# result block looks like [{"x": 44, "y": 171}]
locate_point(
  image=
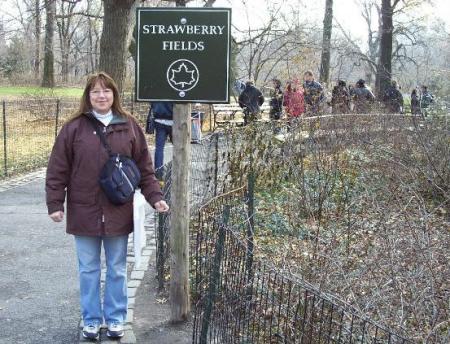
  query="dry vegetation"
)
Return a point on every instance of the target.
[{"x": 360, "y": 207}]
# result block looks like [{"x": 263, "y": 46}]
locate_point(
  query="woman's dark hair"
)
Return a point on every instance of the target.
[
  {"x": 361, "y": 82},
  {"x": 289, "y": 86},
  {"x": 107, "y": 82},
  {"x": 276, "y": 82}
]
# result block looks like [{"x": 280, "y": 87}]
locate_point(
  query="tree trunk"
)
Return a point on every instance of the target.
[
  {"x": 384, "y": 70},
  {"x": 37, "y": 37},
  {"x": 114, "y": 41},
  {"x": 326, "y": 42},
  {"x": 92, "y": 51},
  {"x": 48, "y": 78},
  {"x": 63, "y": 32},
  {"x": 65, "y": 63}
]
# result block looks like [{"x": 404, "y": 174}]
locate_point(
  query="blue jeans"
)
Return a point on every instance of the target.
[
  {"x": 115, "y": 298},
  {"x": 162, "y": 131}
]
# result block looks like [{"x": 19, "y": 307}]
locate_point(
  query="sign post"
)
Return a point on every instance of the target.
[{"x": 183, "y": 56}]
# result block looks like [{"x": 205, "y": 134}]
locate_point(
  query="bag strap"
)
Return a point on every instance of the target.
[{"x": 100, "y": 131}]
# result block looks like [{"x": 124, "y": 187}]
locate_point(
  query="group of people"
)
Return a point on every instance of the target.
[
  {"x": 297, "y": 98},
  {"x": 308, "y": 98},
  {"x": 420, "y": 100}
]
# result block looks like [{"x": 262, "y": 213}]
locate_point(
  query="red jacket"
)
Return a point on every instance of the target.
[
  {"x": 294, "y": 101},
  {"x": 74, "y": 167}
]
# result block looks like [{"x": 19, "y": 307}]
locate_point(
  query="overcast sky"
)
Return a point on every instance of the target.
[{"x": 346, "y": 12}]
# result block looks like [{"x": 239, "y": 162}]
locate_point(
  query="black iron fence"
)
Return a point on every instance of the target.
[
  {"x": 240, "y": 298},
  {"x": 28, "y": 128},
  {"x": 238, "y": 295},
  {"x": 207, "y": 179}
]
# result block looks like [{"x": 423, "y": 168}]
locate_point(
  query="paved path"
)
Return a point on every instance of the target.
[
  {"x": 38, "y": 271},
  {"x": 39, "y": 292}
]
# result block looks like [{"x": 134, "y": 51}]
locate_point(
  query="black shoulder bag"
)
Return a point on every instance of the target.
[{"x": 119, "y": 176}]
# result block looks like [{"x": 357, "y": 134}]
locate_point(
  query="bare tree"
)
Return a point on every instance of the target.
[
  {"x": 114, "y": 40},
  {"x": 384, "y": 70},
  {"x": 93, "y": 42},
  {"x": 48, "y": 79},
  {"x": 326, "y": 42},
  {"x": 262, "y": 50},
  {"x": 389, "y": 9},
  {"x": 37, "y": 37},
  {"x": 68, "y": 23}
]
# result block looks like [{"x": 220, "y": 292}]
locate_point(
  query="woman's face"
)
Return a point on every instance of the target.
[{"x": 101, "y": 98}]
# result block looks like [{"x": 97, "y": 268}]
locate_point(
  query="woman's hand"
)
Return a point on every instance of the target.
[
  {"x": 161, "y": 207},
  {"x": 57, "y": 216}
]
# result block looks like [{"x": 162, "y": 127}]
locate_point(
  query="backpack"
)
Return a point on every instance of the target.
[
  {"x": 120, "y": 176},
  {"x": 426, "y": 100}
]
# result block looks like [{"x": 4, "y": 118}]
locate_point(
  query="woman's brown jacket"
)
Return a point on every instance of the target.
[{"x": 74, "y": 168}]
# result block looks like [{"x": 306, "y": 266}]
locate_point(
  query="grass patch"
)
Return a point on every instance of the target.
[
  {"x": 11, "y": 92},
  {"x": 30, "y": 135}
]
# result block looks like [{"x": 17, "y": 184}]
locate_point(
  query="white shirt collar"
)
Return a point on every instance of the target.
[{"x": 99, "y": 115}]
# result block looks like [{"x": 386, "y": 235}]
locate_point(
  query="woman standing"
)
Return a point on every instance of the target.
[
  {"x": 73, "y": 169},
  {"x": 294, "y": 100}
]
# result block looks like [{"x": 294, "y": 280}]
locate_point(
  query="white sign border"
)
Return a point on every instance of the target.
[{"x": 189, "y": 9}]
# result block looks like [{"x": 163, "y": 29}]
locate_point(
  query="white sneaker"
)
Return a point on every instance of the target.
[
  {"x": 91, "y": 331},
  {"x": 115, "y": 330}
]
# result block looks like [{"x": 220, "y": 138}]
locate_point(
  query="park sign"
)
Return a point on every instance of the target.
[{"x": 183, "y": 54}]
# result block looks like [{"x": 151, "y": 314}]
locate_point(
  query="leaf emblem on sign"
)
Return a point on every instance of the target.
[{"x": 182, "y": 76}]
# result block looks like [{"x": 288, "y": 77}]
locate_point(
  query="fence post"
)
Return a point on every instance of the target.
[
  {"x": 215, "y": 275},
  {"x": 4, "y": 139},
  {"x": 161, "y": 250},
  {"x": 57, "y": 117},
  {"x": 250, "y": 227},
  {"x": 211, "y": 128},
  {"x": 132, "y": 102},
  {"x": 216, "y": 164},
  {"x": 251, "y": 179}
]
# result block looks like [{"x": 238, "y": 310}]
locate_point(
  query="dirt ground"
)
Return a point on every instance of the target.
[{"x": 151, "y": 315}]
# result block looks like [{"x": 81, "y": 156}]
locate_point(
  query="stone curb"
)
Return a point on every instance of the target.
[{"x": 17, "y": 181}]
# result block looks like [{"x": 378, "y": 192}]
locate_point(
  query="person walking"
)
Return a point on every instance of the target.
[
  {"x": 294, "y": 101},
  {"x": 426, "y": 99},
  {"x": 250, "y": 101},
  {"x": 162, "y": 114},
  {"x": 340, "y": 99},
  {"x": 74, "y": 166},
  {"x": 276, "y": 100},
  {"x": 393, "y": 98},
  {"x": 363, "y": 97},
  {"x": 415, "y": 103},
  {"x": 313, "y": 93}
]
